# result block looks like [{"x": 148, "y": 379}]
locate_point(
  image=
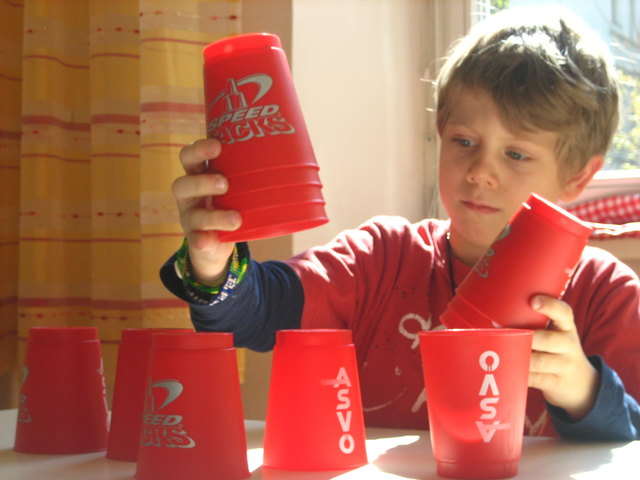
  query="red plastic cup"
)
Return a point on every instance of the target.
[
  {"x": 476, "y": 385},
  {"x": 314, "y": 413},
  {"x": 129, "y": 391},
  {"x": 253, "y": 109},
  {"x": 535, "y": 254},
  {"x": 63, "y": 406},
  {"x": 193, "y": 426}
]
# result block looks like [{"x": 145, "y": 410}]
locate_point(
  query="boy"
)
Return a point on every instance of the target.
[{"x": 523, "y": 106}]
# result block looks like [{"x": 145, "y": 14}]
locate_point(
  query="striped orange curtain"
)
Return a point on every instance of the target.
[
  {"x": 10, "y": 88},
  {"x": 97, "y": 99}
]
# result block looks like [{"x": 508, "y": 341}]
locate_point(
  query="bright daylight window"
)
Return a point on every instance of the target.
[{"x": 618, "y": 22}]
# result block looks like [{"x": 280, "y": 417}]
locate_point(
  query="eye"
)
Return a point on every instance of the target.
[
  {"x": 512, "y": 154},
  {"x": 463, "y": 142}
]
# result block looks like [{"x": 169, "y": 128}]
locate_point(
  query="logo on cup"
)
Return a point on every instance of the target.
[
  {"x": 162, "y": 430},
  {"x": 231, "y": 118},
  {"x": 23, "y": 411},
  {"x": 346, "y": 443},
  {"x": 489, "y": 362}
]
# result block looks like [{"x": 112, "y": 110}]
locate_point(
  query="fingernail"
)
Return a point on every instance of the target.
[
  {"x": 234, "y": 219},
  {"x": 536, "y": 303},
  {"x": 213, "y": 147},
  {"x": 221, "y": 185}
]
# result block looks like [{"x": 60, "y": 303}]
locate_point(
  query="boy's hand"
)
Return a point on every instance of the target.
[
  {"x": 559, "y": 367},
  {"x": 208, "y": 257}
]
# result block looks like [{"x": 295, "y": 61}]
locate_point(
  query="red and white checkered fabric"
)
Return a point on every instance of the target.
[
  {"x": 615, "y": 209},
  {"x": 617, "y": 216}
]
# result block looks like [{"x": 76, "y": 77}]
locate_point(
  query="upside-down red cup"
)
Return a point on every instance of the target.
[
  {"x": 63, "y": 407},
  {"x": 129, "y": 390},
  {"x": 267, "y": 156},
  {"x": 193, "y": 425},
  {"x": 476, "y": 385},
  {"x": 314, "y": 412},
  {"x": 536, "y": 253}
]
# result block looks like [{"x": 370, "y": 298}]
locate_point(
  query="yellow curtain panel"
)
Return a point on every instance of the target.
[{"x": 97, "y": 97}]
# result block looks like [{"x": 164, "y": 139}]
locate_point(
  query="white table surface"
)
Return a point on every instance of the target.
[{"x": 393, "y": 454}]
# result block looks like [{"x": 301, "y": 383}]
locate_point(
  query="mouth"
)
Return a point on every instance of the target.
[{"x": 479, "y": 207}]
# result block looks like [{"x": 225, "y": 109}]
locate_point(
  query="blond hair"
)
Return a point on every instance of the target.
[{"x": 546, "y": 71}]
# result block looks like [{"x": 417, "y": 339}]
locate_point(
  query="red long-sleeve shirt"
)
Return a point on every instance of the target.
[{"x": 390, "y": 278}]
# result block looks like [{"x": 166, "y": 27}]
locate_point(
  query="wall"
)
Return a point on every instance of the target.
[
  {"x": 626, "y": 249},
  {"x": 357, "y": 66}
]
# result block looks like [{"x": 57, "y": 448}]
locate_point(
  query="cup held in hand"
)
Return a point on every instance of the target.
[
  {"x": 253, "y": 109},
  {"x": 535, "y": 254}
]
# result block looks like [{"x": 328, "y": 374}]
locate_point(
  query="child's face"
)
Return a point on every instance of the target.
[{"x": 487, "y": 171}]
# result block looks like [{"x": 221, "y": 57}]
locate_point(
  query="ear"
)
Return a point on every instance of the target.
[{"x": 576, "y": 183}]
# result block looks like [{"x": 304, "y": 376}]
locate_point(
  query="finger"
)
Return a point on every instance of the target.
[
  {"x": 559, "y": 312},
  {"x": 194, "y": 156},
  {"x": 543, "y": 381},
  {"x": 192, "y": 187},
  {"x": 549, "y": 341},
  {"x": 205, "y": 241},
  {"x": 202, "y": 219},
  {"x": 548, "y": 363}
]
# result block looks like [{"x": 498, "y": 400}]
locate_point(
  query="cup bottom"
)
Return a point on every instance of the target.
[
  {"x": 272, "y": 222},
  {"x": 478, "y": 470},
  {"x": 311, "y": 468}
]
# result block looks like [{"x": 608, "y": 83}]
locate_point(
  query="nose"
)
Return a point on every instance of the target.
[{"x": 481, "y": 172}]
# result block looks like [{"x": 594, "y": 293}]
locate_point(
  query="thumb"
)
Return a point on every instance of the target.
[{"x": 558, "y": 312}]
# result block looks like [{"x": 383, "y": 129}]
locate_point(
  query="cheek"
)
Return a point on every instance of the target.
[
  {"x": 442, "y": 174},
  {"x": 444, "y": 163},
  {"x": 446, "y": 184},
  {"x": 449, "y": 171}
]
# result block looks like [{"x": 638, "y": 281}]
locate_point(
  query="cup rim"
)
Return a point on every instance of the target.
[
  {"x": 63, "y": 334},
  {"x": 192, "y": 341},
  {"x": 144, "y": 335},
  {"x": 557, "y": 216},
  {"x": 313, "y": 337},
  {"x": 240, "y": 43},
  {"x": 474, "y": 332}
]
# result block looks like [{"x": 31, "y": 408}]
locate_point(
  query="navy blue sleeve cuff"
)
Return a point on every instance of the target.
[
  {"x": 270, "y": 297},
  {"x": 614, "y": 417},
  {"x": 181, "y": 289}
]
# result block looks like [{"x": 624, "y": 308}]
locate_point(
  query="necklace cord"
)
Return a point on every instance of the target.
[{"x": 452, "y": 281}]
